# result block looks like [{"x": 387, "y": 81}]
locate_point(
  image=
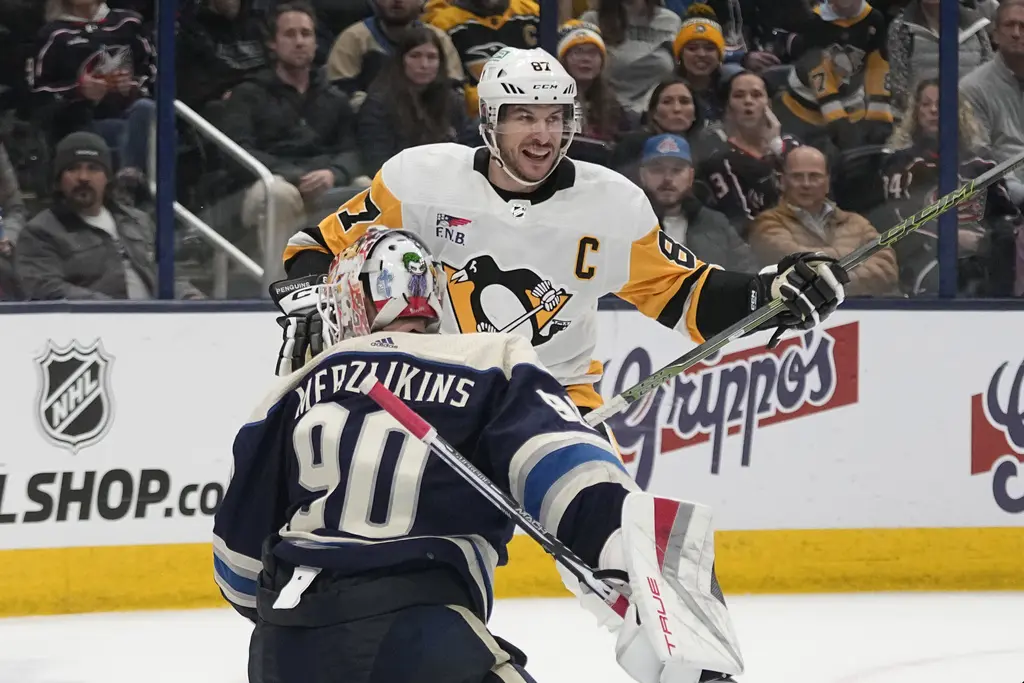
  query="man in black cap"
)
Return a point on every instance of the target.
[{"x": 87, "y": 246}]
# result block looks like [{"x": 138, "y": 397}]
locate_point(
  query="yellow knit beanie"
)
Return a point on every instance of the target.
[
  {"x": 575, "y": 32},
  {"x": 700, "y": 24}
]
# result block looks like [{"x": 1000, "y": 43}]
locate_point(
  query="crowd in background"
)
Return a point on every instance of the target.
[{"x": 757, "y": 127}]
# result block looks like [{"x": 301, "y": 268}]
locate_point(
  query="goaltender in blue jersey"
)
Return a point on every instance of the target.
[{"x": 359, "y": 556}]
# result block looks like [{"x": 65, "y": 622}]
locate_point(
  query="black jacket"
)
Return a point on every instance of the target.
[
  {"x": 215, "y": 53},
  {"x": 292, "y": 133},
  {"x": 380, "y": 136}
]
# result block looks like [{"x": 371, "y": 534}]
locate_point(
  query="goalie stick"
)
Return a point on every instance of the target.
[
  {"x": 616, "y": 596},
  {"x": 621, "y": 401}
]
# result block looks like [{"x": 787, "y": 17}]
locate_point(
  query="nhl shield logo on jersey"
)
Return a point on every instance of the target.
[
  {"x": 486, "y": 298},
  {"x": 75, "y": 403}
]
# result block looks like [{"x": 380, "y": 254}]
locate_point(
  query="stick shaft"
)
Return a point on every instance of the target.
[{"x": 422, "y": 430}]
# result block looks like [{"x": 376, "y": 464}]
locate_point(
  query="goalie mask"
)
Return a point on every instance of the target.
[
  {"x": 516, "y": 80},
  {"x": 383, "y": 276}
]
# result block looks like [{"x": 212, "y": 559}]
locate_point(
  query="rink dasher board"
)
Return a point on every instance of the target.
[{"x": 881, "y": 453}]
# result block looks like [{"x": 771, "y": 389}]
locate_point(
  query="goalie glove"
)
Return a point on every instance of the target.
[
  {"x": 302, "y": 336},
  {"x": 675, "y": 627},
  {"x": 810, "y": 284}
]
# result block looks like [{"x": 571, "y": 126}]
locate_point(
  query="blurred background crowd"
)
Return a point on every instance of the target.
[{"x": 757, "y": 127}]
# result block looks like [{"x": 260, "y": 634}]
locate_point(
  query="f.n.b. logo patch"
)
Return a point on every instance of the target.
[{"x": 75, "y": 405}]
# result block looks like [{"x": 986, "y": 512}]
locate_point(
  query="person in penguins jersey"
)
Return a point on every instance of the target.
[{"x": 584, "y": 231}]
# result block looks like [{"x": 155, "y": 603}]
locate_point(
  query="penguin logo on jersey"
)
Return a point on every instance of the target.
[{"x": 486, "y": 298}]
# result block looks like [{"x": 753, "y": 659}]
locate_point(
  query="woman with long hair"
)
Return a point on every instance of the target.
[
  {"x": 672, "y": 109},
  {"x": 911, "y": 177},
  {"x": 411, "y": 102},
  {"x": 638, "y": 35},
  {"x": 582, "y": 52},
  {"x": 738, "y": 161}
]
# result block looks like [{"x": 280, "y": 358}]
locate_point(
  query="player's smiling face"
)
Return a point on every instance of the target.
[{"x": 529, "y": 138}]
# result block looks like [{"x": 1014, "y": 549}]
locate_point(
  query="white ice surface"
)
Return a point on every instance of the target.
[{"x": 856, "y": 638}]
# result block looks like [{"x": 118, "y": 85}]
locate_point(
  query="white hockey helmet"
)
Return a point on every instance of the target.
[
  {"x": 517, "y": 76},
  {"x": 395, "y": 269}
]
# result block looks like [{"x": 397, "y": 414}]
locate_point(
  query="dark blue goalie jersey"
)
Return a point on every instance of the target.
[{"x": 348, "y": 489}]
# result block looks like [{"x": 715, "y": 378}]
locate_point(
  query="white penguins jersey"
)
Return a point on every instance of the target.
[{"x": 533, "y": 264}]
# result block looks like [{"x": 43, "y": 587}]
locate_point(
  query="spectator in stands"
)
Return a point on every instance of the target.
[
  {"x": 93, "y": 70},
  {"x": 480, "y": 28},
  {"x": 805, "y": 220},
  {"x": 837, "y": 95},
  {"x": 12, "y": 220},
  {"x": 334, "y": 16},
  {"x": 218, "y": 45},
  {"x": 750, "y": 26},
  {"x": 995, "y": 89},
  {"x": 12, "y": 206},
  {"x": 362, "y": 49},
  {"x": 914, "y": 47},
  {"x": 738, "y": 162},
  {"x": 666, "y": 174},
  {"x": 144, "y": 8},
  {"x": 582, "y": 52},
  {"x": 412, "y": 103},
  {"x": 699, "y": 49},
  {"x": 300, "y": 126},
  {"x": 638, "y": 35},
  {"x": 673, "y": 109},
  {"x": 88, "y": 246},
  {"x": 987, "y": 225},
  {"x": 20, "y": 20}
]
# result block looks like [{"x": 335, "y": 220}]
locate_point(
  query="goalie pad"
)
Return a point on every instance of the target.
[{"x": 678, "y": 623}]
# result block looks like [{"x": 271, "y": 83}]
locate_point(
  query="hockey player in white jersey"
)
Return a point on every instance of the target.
[
  {"x": 362, "y": 558},
  {"x": 530, "y": 240}
]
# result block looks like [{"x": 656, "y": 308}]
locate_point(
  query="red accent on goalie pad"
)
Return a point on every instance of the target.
[
  {"x": 665, "y": 512},
  {"x": 620, "y": 606}
]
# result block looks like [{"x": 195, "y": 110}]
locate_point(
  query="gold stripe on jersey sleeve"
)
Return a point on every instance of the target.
[
  {"x": 662, "y": 275},
  {"x": 797, "y": 108},
  {"x": 376, "y": 205}
]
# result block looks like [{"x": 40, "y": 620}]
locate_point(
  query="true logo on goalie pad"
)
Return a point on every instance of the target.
[{"x": 74, "y": 403}]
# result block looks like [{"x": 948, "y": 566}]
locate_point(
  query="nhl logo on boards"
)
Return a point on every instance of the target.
[{"x": 75, "y": 405}]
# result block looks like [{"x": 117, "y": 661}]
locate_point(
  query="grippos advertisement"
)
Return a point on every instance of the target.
[
  {"x": 866, "y": 422},
  {"x": 119, "y": 429}
]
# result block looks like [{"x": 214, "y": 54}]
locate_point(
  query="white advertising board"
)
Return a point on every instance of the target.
[
  {"x": 117, "y": 429},
  {"x": 883, "y": 419}
]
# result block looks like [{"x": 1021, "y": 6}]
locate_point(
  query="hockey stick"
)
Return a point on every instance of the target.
[
  {"x": 423, "y": 431},
  {"x": 526, "y": 316},
  {"x": 621, "y": 401}
]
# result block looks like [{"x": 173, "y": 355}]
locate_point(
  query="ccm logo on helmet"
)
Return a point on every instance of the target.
[{"x": 545, "y": 86}]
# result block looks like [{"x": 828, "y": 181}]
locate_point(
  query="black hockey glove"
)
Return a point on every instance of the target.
[
  {"x": 811, "y": 285},
  {"x": 303, "y": 335}
]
